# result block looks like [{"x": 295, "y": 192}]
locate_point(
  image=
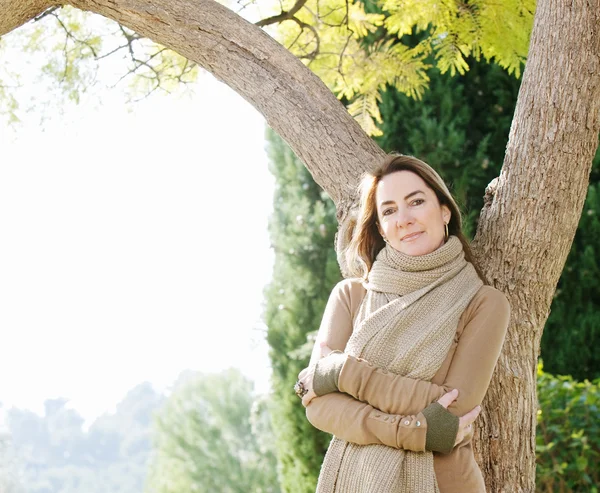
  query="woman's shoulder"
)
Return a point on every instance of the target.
[
  {"x": 488, "y": 303},
  {"x": 350, "y": 287},
  {"x": 350, "y": 292},
  {"x": 490, "y": 297}
]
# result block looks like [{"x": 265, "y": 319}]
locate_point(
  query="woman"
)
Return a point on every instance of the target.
[{"x": 415, "y": 338}]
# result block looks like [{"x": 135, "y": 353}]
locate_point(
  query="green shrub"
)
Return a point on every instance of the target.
[{"x": 568, "y": 434}]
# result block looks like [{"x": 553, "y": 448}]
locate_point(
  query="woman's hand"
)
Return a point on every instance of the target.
[
  {"x": 465, "y": 423},
  {"x": 306, "y": 376}
]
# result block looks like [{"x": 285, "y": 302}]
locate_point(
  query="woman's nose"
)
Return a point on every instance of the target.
[{"x": 403, "y": 219}]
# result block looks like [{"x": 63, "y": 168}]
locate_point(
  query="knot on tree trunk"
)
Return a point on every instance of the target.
[{"x": 490, "y": 192}]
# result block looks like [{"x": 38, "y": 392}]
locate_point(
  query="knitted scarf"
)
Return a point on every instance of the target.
[{"x": 405, "y": 324}]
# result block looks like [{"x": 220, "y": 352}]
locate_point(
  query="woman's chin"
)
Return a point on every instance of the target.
[{"x": 414, "y": 249}]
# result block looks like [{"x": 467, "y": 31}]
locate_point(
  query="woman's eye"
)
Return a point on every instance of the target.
[
  {"x": 387, "y": 212},
  {"x": 417, "y": 202}
]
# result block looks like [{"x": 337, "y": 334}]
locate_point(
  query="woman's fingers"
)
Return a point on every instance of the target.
[
  {"x": 448, "y": 398},
  {"x": 465, "y": 424},
  {"x": 306, "y": 378},
  {"x": 308, "y": 397},
  {"x": 468, "y": 418}
]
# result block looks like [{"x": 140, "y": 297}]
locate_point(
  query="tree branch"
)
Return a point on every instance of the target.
[
  {"x": 68, "y": 33},
  {"x": 303, "y": 25},
  {"x": 46, "y": 13},
  {"x": 294, "y": 101},
  {"x": 283, "y": 16}
]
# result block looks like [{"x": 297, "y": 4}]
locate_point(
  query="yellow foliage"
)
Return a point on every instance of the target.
[
  {"x": 366, "y": 111},
  {"x": 356, "y": 48},
  {"x": 329, "y": 36}
]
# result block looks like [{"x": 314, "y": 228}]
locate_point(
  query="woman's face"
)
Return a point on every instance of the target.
[{"x": 409, "y": 214}]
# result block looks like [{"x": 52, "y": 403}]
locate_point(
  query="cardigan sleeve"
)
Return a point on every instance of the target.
[
  {"x": 336, "y": 324},
  {"x": 360, "y": 423},
  {"x": 387, "y": 391},
  {"x": 478, "y": 349},
  {"x": 470, "y": 371}
]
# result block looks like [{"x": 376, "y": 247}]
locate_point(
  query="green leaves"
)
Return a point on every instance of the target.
[{"x": 568, "y": 433}]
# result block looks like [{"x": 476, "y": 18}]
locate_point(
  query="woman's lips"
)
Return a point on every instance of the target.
[{"x": 412, "y": 236}]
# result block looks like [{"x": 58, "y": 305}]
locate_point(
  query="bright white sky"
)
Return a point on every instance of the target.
[{"x": 133, "y": 245}]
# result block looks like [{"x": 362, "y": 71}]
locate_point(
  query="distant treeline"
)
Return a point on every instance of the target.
[{"x": 212, "y": 434}]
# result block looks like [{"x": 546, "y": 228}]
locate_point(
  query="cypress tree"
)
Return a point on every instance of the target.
[{"x": 302, "y": 230}]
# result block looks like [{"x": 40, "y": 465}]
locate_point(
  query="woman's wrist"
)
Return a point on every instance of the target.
[
  {"x": 442, "y": 428},
  {"x": 327, "y": 373}
]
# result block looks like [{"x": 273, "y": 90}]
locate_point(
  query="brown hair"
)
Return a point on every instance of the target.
[{"x": 366, "y": 240}]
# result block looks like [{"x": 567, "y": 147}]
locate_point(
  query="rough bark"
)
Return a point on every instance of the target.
[
  {"x": 530, "y": 217},
  {"x": 531, "y": 212},
  {"x": 15, "y": 14}
]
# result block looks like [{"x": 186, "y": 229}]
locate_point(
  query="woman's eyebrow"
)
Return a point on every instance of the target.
[
  {"x": 413, "y": 193},
  {"x": 392, "y": 202}
]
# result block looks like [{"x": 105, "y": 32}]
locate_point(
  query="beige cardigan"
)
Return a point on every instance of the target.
[{"x": 377, "y": 407}]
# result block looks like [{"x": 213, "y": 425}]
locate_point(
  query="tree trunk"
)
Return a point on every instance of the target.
[
  {"x": 531, "y": 212},
  {"x": 529, "y": 221}
]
